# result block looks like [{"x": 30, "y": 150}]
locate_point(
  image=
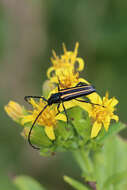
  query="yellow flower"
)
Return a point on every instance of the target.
[
  {"x": 48, "y": 119},
  {"x": 67, "y": 60},
  {"x": 67, "y": 78},
  {"x": 101, "y": 114},
  {"x": 14, "y": 110}
]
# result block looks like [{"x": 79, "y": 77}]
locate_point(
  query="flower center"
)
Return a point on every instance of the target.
[
  {"x": 47, "y": 118},
  {"x": 68, "y": 79},
  {"x": 100, "y": 114}
]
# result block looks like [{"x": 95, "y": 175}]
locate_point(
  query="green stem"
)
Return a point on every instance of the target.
[
  {"x": 86, "y": 159},
  {"x": 85, "y": 163}
]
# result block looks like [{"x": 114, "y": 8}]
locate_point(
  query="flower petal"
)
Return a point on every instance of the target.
[
  {"x": 115, "y": 117},
  {"x": 86, "y": 106},
  {"x": 33, "y": 103},
  {"x": 83, "y": 80},
  {"x": 50, "y": 70},
  {"x": 76, "y": 48},
  {"x": 50, "y": 132},
  {"x": 107, "y": 123},
  {"x": 54, "y": 79},
  {"x": 95, "y": 98},
  {"x": 80, "y": 63},
  {"x": 95, "y": 129},
  {"x": 68, "y": 105},
  {"x": 114, "y": 102},
  {"x": 27, "y": 119},
  {"x": 14, "y": 110},
  {"x": 61, "y": 117}
]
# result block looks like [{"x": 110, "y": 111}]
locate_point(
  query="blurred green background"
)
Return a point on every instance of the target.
[{"x": 29, "y": 30}]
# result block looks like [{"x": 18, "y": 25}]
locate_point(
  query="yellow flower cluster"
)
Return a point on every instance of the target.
[
  {"x": 102, "y": 113},
  {"x": 65, "y": 69},
  {"x": 48, "y": 119},
  {"x": 14, "y": 110}
]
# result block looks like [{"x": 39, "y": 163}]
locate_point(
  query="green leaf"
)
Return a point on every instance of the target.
[
  {"x": 63, "y": 131},
  {"x": 111, "y": 163},
  {"x": 76, "y": 184},
  {"x": 27, "y": 183},
  {"x": 81, "y": 123},
  {"x": 39, "y": 137},
  {"x": 115, "y": 179},
  {"x": 75, "y": 113}
]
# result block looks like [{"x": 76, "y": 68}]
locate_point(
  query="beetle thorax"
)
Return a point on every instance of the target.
[{"x": 54, "y": 98}]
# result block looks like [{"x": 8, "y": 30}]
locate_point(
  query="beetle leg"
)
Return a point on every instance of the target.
[
  {"x": 65, "y": 113},
  {"x": 82, "y": 84},
  {"x": 58, "y": 109}
]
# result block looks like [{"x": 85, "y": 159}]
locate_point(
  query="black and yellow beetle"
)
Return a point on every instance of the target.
[{"x": 80, "y": 90}]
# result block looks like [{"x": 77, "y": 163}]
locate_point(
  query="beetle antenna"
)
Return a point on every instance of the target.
[
  {"x": 26, "y": 98},
  {"x": 29, "y": 135}
]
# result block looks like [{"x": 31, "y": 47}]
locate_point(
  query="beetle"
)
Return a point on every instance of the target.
[{"x": 63, "y": 95}]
